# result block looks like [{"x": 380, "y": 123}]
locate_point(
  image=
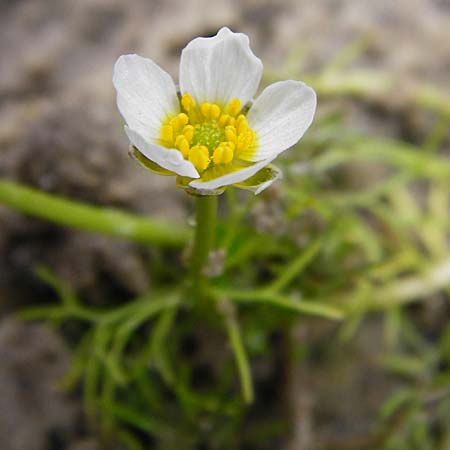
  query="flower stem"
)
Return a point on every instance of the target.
[
  {"x": 205, "y": 233},
  {"x": 82, "y": 216},
  {"x": 237, "y": 346}
]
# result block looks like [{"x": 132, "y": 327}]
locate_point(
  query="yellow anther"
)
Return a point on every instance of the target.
[
  {"x": 167, "y": 134},
  {"x": 245, "y": 140},
  {"x": 179, "y": 121},
  {"x": 231, "y": 121},
  {"x": 205, "y": 108},
  {"x": 232, "y": 145},
  {"x": 242, "y": 128},
  {"x": 175, "y": 123},
  {"x": 241, "y": 119},
  {"x": 214, "y": 111},
  {"x": 223, "y": 120},
  {"x": 223, "y": 154},
  {"x": 234, "y": 107},
  {"x": 230, "y": 133},
  {"x": 182, "y": 144},
  {"x": 183, "y": 118},
  {"x": 199, "y": 156},
  {"x": 241, "y": 142},
  {"x": 188, "y": 132},
  {"x": 187, "y": 102}
]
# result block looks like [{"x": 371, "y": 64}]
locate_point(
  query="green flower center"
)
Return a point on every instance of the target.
[{"x": 208, "y": 134}]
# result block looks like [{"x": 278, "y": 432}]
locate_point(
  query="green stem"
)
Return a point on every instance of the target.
[
  {"x": 240, "y": 355},
  {"x": 282, "y": 301},
  {"x": 205, "y": 233},
  {"x": 295, "y": 267},
  {"x": 85, "y": 217}
]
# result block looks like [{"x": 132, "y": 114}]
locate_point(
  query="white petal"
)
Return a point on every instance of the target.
[
  {"x": 146, "y": 94},
  {"x": 220, "y": 68},
  {"x": 231, "y": 178},
  {"x": 168, "y": 158},
  {"x": 280, "y": 116}
]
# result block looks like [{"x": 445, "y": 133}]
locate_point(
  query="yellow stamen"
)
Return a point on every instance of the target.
[
  {"x": 199, "y": 156},
  {"x": 223, "y": 154},
  {"x": 214, "y": 111},
  {"x": 179, "y": 121},
  {"x": 183, "y": 118},
  {"x": 223, "y": 120},
  {"x": 245, "y": 140},
  {"x": 234, "y": 107},
  {"x": 230, "y": 133},
  {"x": 182, "y": 144},
  {"x": 205, "y": 108},
  {"x": 241, "y": 121},
  {"x": 188, "y": 132},
  {"x": 232, "y": 145},
  {"x": 175, "y": 123},
  {"x": 167, "y": 134},
  {"x": 187, "y": 102},
  {"x": 242, "y": 128},
  {"x": 241, "y": 142}
]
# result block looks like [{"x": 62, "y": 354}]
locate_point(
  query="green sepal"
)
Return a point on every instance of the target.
[
  {"x": 147, "y": 163},
  {"x": 261, "y": 180}
]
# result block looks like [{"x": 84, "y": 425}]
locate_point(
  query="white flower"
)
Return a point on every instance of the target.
[{"x": 207, "y": 134}]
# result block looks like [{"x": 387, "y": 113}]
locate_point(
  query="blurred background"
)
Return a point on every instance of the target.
[{"x": 381, "y": 70}]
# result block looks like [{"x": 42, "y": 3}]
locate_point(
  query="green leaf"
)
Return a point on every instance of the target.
[{"x": 397, "y": 401}]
